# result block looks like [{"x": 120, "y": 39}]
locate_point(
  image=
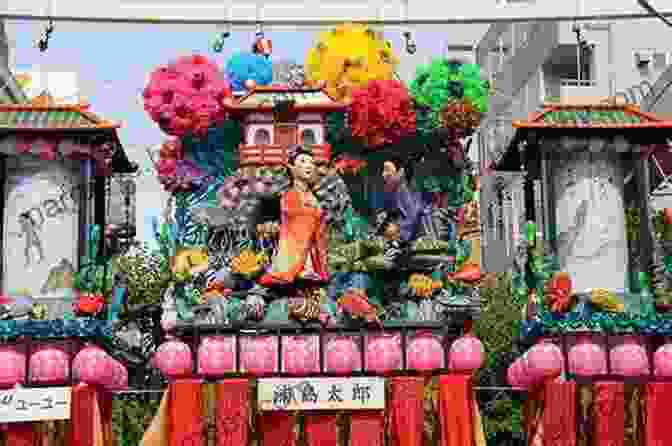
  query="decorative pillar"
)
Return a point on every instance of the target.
[
  {"x": 559, "y": 418},
  {"x": 455, "y": 410},
  {"x": 407, "y": 411},
  {"x": 186, "y": 418},
  {"x": 85, "y": 416},
  {"x": 232, "y": 412}
]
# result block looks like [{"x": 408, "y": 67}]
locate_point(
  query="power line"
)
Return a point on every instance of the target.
[{"x": 653, "y": 11}]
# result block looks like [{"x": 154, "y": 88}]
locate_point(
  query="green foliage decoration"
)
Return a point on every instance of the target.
[{"x": 148, "y": 273}]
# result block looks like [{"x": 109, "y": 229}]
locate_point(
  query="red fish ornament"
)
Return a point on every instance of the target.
[
  {"x": 358, "y": 306},
  {"x": 90, "y": 304},
  {"x": 468, "y": 273},
  {"x": 559, "y": 292}
]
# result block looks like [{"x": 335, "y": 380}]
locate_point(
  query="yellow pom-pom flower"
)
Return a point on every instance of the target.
[{"x": 347, "y": 57}]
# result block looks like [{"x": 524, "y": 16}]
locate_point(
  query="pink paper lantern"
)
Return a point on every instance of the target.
[
  {"x": 628, "y": 356},
  {"x": 342, "y": 355},
  {"x": 92, "y": 366},
  {"x": 217, "y": 356},
  {"x": 383, "y": 353},
  {"x": 466, "y": 354},
  {"x": 301, "y": 355},
  {"x": 517, "y": 375},
  {"x": 119, "y": 377},
  {"x": 425, "y": 352},
  {"x": 12, "y": 365},
  {"x": 544, "y": 361},
  {"x": 173, "y": 358},
  {"x": 49, "y": 363},
  {"x": 259, "y": 355},
  {"x": 587, "y": 357},
  {"x": 662, "y": 361}
]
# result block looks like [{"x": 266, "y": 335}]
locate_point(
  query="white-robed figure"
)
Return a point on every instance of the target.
[{"x": 30, "y": 233}]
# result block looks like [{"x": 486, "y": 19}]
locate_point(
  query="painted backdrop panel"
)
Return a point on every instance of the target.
[{"x": 41, "y": 226}]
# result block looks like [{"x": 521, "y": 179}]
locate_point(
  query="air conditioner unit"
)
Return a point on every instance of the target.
[{"x": 643, "y": 58}]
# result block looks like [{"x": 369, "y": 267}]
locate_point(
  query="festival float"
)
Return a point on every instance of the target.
[
  {"x": 59, "y": 298},
  {"x": 324, "y": 246},
  {"x": 590, "y": 267}
]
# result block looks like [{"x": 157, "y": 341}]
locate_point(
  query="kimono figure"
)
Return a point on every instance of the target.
[
  {"x": 29, "y": 231},
  {"x": 415, "y": 210},
  {"x": 303, "y": 238}
]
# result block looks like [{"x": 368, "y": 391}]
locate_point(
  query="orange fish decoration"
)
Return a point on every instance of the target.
[
  {"x": 90, "y": 304},
  {"x": 468, "y": 273},
  {"x": 559, "y": 292},
  {"x": 358, "y": 306}
]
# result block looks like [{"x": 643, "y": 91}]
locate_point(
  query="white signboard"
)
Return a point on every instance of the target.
[
  {"x": 43, "y": 404},
  {"x": 41, "y": 227},
  {"x": 321, "y": 393}
]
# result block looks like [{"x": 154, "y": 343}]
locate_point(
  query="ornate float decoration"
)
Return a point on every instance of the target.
[
  {"x": 319, "y": 250},
  {"x": 587, "y": 263}
]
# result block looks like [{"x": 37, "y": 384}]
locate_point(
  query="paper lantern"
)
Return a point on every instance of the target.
[
  {"x": 425, "y": 352},
  {"x": 259, "y": 355},
  {"x": 50, "y": 364},
  {"x": 92, "y": 366},
  {"x": 517, "y": 375},
  {"x": 119, "y": 377},
  {"x": 217, "y": 356},
  {"x": 662, "y": 361},
  {"x": 173, "y": 358},
  {"x": 383, "y": 353},
  {"x": 628, "y": 356},
  {"x": 466, "y": 354},
  {"x": 586, "y": 357},
  {"x": 543, "y": 361},
  {"x": 301, "y": 355},
  {"x": 342, "y": 355},
  {"x": 12, "y": 365}
]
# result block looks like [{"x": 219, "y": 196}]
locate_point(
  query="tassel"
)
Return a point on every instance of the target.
[
  {"x": 186, "y": 418},
  {"x": 367, "y": 428},
  {"x": 83, "y": 407},
  {"x": 408, "y": 394},
  {"x": 559, "y": 419},
  {"x": 233, "y": 412},
  {"x": 609, "y": 412},
  {"x": 277, "y": 428},
  {"x": 455, "y": 410},
  {"x": 321, "y": 430}
]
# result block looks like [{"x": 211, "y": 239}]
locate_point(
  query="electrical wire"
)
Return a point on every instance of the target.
[{"x": 650, "y": 9}]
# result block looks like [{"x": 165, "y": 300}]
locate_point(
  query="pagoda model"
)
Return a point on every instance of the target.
[
  {"x": 277, "y": 117},
  {"x": 583, "y": 264}
]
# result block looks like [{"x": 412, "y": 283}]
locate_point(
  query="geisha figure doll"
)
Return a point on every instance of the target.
[{"x": 303, "y": 239}]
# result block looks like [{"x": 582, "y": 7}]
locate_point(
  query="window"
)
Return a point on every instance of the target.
[
  {"x": 566, "y": 64},
  {"x": 262, "y": 137},
  {"x": 659, "y": 61},
  {"x": 308, "y": 137}
]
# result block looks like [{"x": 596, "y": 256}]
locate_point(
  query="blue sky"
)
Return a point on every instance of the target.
[{"x": 112, "y": 62}]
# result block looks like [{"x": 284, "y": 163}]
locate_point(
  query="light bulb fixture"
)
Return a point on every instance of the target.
[
  {"x": 411, "y": 47},
  {"x": 43, "y": 43}
]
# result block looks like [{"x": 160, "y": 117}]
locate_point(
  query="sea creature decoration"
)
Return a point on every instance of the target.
[
  {"x": 606, "y": 300},
  {"x": 559, "y": 292},
  {"x": 469, "y": 273},
  {"x": 357, "y": 305}
]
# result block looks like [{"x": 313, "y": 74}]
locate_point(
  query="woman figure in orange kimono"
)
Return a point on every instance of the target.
[{"x": 303, "y": 238}]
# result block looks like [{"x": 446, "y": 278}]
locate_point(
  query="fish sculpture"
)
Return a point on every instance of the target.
[
  {"x": 469, "y": 273},
  {"x": 559, "y": 292},
  {"x": 357, "y": 304}
]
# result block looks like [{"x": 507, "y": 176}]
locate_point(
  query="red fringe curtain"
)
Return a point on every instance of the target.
[
  {"x": 277, "y": 428},
  {"x": 559, "y": 420},
  {"x": 406, "y": 411},
  {"x": 609, "y": 413},
  {"x": 455, "y": 410},
  {"x": 84, "y": 405},
  {"x": 367, "y": 428},
  {"x": 186, "y": 419},
  {"x": 20, "y": 434},
  {"x": 321, "y": 430},
  {"x": 658, "y": 397},
  {"x": 233, "y": 412}
]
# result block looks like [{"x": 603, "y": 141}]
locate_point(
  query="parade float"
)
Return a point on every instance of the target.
[
  {"x": 59, "y": 298},
  {"x": 591, "y": 268},
  {"x": 324, "y": 247}
]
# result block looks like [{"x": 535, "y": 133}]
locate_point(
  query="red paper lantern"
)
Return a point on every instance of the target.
[
  {"x": 544, "y": 361},
  {"x": 628, "y": 356},
  {"x": 92, "y": 366},
  {"x": 50, "y": 363},
  {"x": 466, "y": 354},
  {"x": 586, "y": 357},
  {"x": 173, "y": 358},
  {"x": 383, "y": 353},
  {"x": 259, "y": 355},
  {"x": 217, "y": 356},
  {"x": 662, "y": 361},
  {"x": 425, "y": 352},
  {"x": 301, "y": 355},
  {"x": 342, "y": 355},
  {"x": 12, "y": 365}
]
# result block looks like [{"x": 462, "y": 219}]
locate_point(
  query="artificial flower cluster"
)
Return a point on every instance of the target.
[
  {"x": 382, "y": 112},
  {"x": 187, "y": 96},
  {"x": 175, "y": 173}
]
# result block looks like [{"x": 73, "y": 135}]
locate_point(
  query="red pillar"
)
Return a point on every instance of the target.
[
  {"x": 233, "y": 412},
  {"x": 83, "y": 415},
  {"x": 185, "y": 409},
  {"x": 407, "y": 411},
  {"x": 20, "y": 434},
  {"x": 456, "y": 410}
]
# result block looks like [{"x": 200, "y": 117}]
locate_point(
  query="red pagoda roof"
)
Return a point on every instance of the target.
[
  {"x": 305, "y": 99},
  {"x": 612, "y": 116}
]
